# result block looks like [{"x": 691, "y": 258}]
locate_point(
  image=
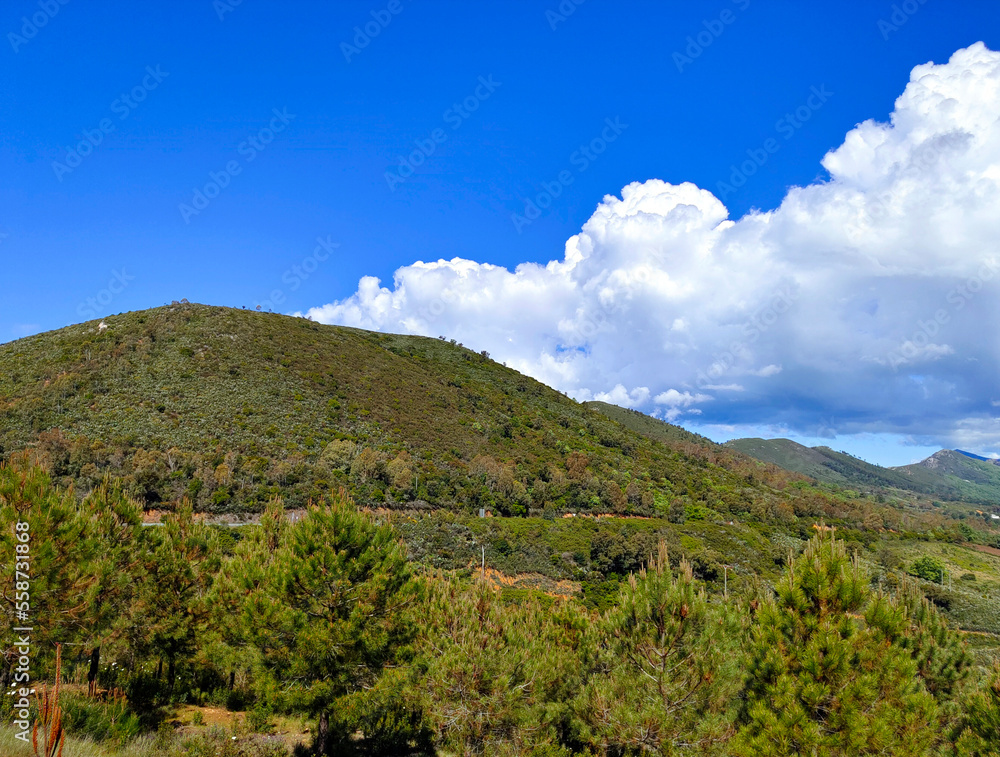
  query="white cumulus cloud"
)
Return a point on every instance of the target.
[{"x": 869, "y": 297}]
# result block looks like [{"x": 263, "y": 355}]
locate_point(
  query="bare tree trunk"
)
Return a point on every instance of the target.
[
  {"x": 95, "y": 665},
  {"x": 322, "y": 734}
]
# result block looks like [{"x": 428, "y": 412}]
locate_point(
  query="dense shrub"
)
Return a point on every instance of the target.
[{"x": 928, "y": 568}]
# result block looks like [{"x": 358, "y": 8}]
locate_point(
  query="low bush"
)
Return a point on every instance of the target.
[{"x": 110, "y": 720}]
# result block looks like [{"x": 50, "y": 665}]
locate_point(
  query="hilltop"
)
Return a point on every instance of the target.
[
  {"x": 957, "y": 475},
  {"x": 231, "y": 407},
  {"x": 974, "y": 456}
]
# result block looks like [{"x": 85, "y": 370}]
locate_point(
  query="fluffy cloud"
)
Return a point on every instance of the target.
[
  {"x": 623, "y": 397},
  {"x": 676, "y": 402},
  {"x": 869, "y": 298}
]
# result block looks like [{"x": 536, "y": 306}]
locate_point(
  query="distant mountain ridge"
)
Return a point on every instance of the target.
[
  {"x": 974, "y": 456},
  {"x": 958, "y": 475},
  {"x": 947, "y": 474}
]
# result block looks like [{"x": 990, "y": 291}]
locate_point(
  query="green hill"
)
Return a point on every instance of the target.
[
  {"x": 823, "y": 464},
  {"x": 230, "y": 407},
  {"x": 947, "y": 474},
  {"x": 791, "y": 456},
  {"x": 956, "y": 476},
  {"x": 861, "y": 473}
]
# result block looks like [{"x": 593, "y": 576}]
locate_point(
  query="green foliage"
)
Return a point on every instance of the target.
[
  {"x": 82, "y": 558},
  {"x": 387, "y": 715},
  {"x": 44, "y": 524},
  {"x": 320, "y": 603},
  {"x": 101, "y": 721},
  {"x": 979, "y": 731},
  {"x": 943, "y": 662},
  {"x": 823, "y": 682},
  {"x": 260, "y": 719},
  {"x": 600, "y": 595},
  {"x": 613, "y": 550},
  {"x": 324, "y": 616},
  {"x": 668, "y": 669},
  {"x": 928, "y": 568},
  {"x": 677, "y": 512},
  {"x": 496, "y": 678},
  {"x": 174, "y": 574}
]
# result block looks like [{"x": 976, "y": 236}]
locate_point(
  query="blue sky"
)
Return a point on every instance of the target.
[{"x": 302, "y": 120}]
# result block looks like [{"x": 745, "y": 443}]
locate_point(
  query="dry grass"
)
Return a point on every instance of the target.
[
  {"x": 288, "y": 733},
  {"x": 12, "y": 747}
]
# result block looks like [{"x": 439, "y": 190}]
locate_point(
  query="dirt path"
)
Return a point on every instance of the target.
[{"x": 987, "y": 550}]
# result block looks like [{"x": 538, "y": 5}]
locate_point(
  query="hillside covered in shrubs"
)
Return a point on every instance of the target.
[{"x": 229, "y": 408}]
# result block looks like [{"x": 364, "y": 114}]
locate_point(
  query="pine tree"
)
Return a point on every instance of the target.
[
  {"x": 499, "y": 678},
  {"x": 325, "y": 615},
  {"x": 825, "y": 676},
  {"x": 57, "y": 582},
  {"x": 246, "y": 574},
  {"x": 943, "y": 661},
  {"x": 83, "y": 559},
  {"x": 669, "y": 667},
  {"x": 979, "y": 731},
  {"x": 240, "y": 617},
  {"x": 115, "y": 523},
  {"x": 173, "y": 577},
  {"x": 479, "y": 678}
]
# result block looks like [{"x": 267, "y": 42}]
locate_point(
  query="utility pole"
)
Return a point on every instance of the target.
[
  {"x": 725, "y": 581},
  {"x": 484, "y": 562}
]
